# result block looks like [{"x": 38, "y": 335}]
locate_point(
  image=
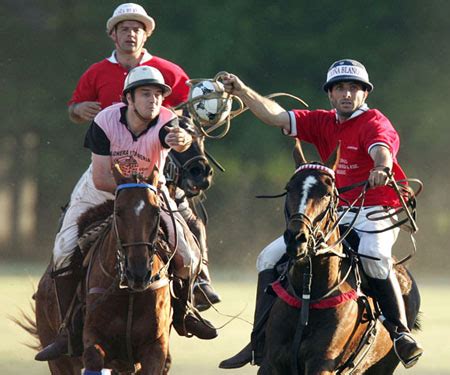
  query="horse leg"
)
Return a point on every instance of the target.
[
  {"x": 47, "y": 323},
  {"x": 94, "y": 358},
  {"x": 204, "y": 293},
  {"x": 65, "y": 366},
  {"x": 154, "y": 357}
]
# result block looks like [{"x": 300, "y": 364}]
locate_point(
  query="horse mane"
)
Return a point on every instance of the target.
[{"x": 95, "y": 214}]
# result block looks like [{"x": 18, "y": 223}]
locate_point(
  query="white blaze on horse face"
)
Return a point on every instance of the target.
[
  {"x": 309, "y": 182},
  {"x": 139, "y": 207}
]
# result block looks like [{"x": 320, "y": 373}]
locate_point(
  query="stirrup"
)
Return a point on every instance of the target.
[{"x": 407, "y": 363}]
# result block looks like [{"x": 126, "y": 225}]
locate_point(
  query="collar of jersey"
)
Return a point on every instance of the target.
[
  {"x": 123, "y": 120},
  {"x": 364, "y": 108},
  {"x": 146, "y": 57}
]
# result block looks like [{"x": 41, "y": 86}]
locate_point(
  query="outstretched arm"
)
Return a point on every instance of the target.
[{"x": 265, "y": 109}]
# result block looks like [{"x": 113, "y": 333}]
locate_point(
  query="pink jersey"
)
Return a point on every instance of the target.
[
  {"x": 137, "y": 155},
  {"x": 357, "y": 135},
  {"x": 103, "y": 81}
]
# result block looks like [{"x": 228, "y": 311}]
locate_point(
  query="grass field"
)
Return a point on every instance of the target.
[{"x": 192, "y": 356}]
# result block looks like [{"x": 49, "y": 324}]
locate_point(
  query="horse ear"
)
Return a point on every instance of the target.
[
  {"x": 153, "y": 178},
  {"x": 333, "y": 160},
  {"x": 118, "y": 175},
  {"x": 297, "y": 153}
]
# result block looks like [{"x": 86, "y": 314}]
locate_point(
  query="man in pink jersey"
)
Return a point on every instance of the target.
[
  {"x": 137, "y": 135},
  {"x": 369, "y": 145},
  {"x": 101, "y": 84}
]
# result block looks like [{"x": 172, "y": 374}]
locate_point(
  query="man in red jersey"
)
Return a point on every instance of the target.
[
  {"x": 101, "y": 85},
  {"x": 369, "y": 145}
]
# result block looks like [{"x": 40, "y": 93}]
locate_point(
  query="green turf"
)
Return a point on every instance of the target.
[{"x": 193, "y": 356}]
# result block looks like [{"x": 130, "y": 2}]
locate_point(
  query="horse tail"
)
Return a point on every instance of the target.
[
  {"x": 418, "y": 322},
  {"x": 28, "y": 323}
]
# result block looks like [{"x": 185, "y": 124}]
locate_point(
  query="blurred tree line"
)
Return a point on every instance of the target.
[{"x": 273, "y": 46}]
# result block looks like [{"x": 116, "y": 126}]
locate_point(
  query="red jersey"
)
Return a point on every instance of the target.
[
  {"x": 367, "y": 128},
  {"x": 103, "y": 81}
]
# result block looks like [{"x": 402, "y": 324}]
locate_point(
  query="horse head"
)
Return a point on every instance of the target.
[
  {"x": 136, "y": 223},
  {"x": 310, "y": 203},
  {"x": 190, "y": 170}
]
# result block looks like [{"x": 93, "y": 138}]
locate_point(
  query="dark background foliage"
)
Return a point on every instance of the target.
[{"x": 273, "y": 46}]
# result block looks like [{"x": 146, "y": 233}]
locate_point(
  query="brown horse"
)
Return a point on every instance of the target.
[
  {"x": 125, "y": 291},
  {"x": 331, "y": 328}
]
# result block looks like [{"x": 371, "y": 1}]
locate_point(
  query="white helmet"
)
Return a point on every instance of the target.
[
  {"x": 145, "y": 76},
  {"x": 130, "y": 12},
  {"x": 347, "y": 70}
]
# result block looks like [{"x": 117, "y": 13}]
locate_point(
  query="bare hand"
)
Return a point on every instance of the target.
[
  {"x": 378, "y": 177},
  {"x": 178, "y": 138},
  {"x": 87, "y": 110},
  {"x": 233, "y": 85}
]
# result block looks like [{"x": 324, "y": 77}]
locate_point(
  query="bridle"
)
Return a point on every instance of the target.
[
  {"x": 175, "y": 171},
  {"x": 121, "y": 246},
  {"x": 319, "y": 232}
]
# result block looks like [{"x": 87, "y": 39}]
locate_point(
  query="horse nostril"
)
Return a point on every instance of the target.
[
  {"x": 301, "y": 237},
  {"x": 195, "y": 172}
]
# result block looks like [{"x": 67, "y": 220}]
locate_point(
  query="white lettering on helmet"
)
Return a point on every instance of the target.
[{"x": 344, "y": 70}]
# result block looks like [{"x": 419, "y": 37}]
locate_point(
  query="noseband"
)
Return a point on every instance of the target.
[{"x": 175, "y": 171}]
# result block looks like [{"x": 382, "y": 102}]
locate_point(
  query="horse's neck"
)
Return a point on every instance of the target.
[
  {"x": 103, "y": 269},
  {"x": 326, "y": 274}
]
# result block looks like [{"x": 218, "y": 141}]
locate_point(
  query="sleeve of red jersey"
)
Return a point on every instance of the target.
[
  {"x": 180, "y": 90},
  {"x": 85, "y": 89},
  {"x": 379, "y": 130},
  {"x": 305, "y": 125}
]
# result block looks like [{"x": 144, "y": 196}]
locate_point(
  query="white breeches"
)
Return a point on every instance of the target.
[
  {"x": 377, "y": 245},
  {"x": 86, "y": 196}
]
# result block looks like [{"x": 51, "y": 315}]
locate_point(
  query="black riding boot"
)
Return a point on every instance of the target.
[
  {"x": 263, "y": 305},
  {"x": 204, "y": 293},
  {"x": 186, "y": 320},
  {"x": 389, "y": 297},
  {"x": 65, "y": 287}
]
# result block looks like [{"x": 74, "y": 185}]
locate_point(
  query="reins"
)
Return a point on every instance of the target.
[{"x": 398, "y": 186}]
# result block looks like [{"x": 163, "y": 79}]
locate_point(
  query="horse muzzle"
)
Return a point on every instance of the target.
[
  {"x": 137, "y": 283},
  {"x": 296, "y": 243},
  {"x": 197, "y": 178}
]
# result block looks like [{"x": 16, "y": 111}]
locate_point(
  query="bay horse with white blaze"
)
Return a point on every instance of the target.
[
  {"x": 322, "y": 323},
  {"x": 125, "y": 291}
]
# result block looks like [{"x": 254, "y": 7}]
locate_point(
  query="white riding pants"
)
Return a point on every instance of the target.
[
  {"x": 86, "y": 196},
  {"x": 377, "y": 245}
]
